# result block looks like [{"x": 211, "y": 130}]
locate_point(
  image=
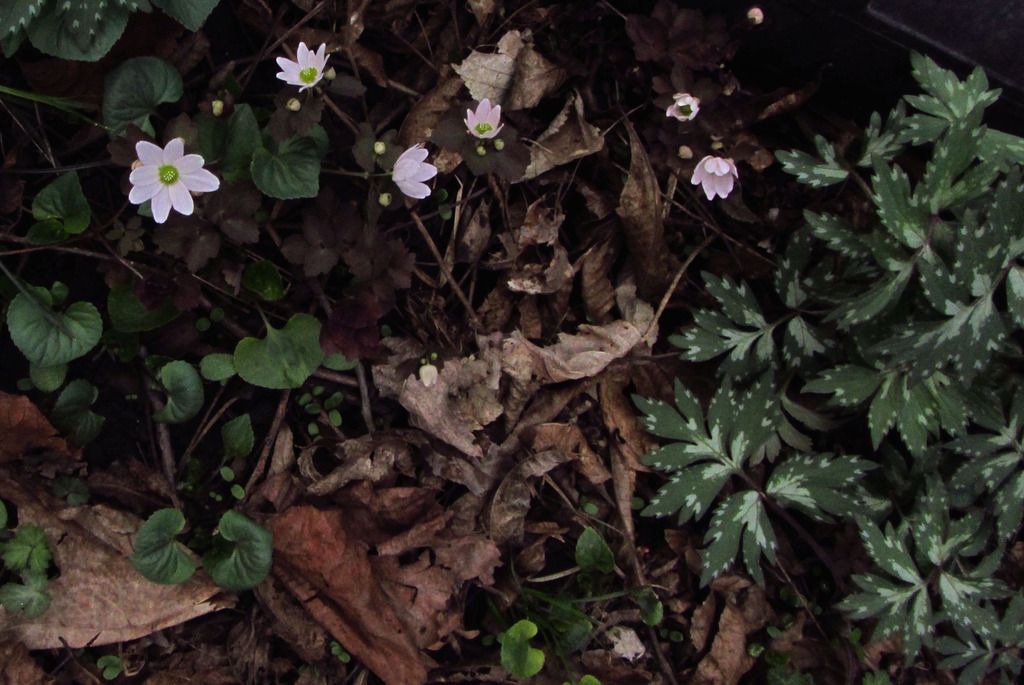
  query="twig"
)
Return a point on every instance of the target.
[
  {"x": 456, "y": 288},
  {"x": 335, "y": 377},
  {"x": 675, "y": 283},
  {"x": 364, "y": 397},
  {"x": 268, "y": 443},
  {"x": 163, "y": 441}
]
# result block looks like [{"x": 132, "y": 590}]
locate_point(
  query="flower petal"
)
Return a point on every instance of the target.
[
  {"x": 414, "y": 190},
  {"x": 145, "y": 175},
  {"x": 181, "y": 199},
  {"x": 200, "y": 181},
  {"x": 190, "y": 163},
  {"x": 148, "y": 153},
  {"x": 174, "y": 150},
  {"x": 161, "y": 205},
  {"x": 321, "y": 56},
  {"x": 141, "y": 193}
]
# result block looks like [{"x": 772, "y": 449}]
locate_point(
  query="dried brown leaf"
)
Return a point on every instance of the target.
[
  {"x": 421, "y": 120},
  {"x": 516, "y": 77},
  {"x": 507, "y": 513},
  {"x": 569, "y": 439},
  {"x": 24, "y": 429},
  {"x": 17, "y": 667},
  {"x": 578, "y": 356},
  {"x": 746, "y": 612},
  {"x": 568, "y": 137}
]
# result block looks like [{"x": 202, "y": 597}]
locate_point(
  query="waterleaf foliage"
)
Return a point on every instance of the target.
[
  {"x": 189, "y": 13},
  {"x": 184, "y": 389},
  {"x": 72, "y": 414},
  {"x": 817, "y": 172},
  {"x": 285, "y": 358},
  {"x": 47, "y": 337},
  {"x": 135, "y": 88},
  {"x": 998, "y": 650},
  {"x": 158, "y": 556},
  {"x": 241, "y": 555},
  {"x": 517, "y": 656}
]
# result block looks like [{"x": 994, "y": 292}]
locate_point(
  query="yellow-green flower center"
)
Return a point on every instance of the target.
[
  {"x": 483, "y": 127},
  {"x": 168, "y": 174},
  {"x": 308, "y": 75},
  {"x": 685, "y": 110}
]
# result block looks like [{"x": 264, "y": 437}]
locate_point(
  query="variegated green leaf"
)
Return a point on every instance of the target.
[{"x": 817, "y": 172}]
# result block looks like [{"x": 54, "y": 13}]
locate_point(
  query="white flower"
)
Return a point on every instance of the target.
[
  {"x": 168, "y": 177},
  {"x": 307, "y": 71},
  {"x": 485, "y": 122},
  {"x": 684, "y": 107},
  {"x": 411, "y": 170},
  {"x": 716, "y": 175}
]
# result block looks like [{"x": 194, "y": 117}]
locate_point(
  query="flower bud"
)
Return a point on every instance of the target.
[
  {"x": 330, "y": 74},
  {"x": 428, "y": 375},
  {"x": 481, "y": 150},
  {"x": 755, "y": 15},
  {"x": 685, "y": 152},
  {"x": 294, "y": 105},
  {"x": 717, "y": 145},
  {"x": 384, "y": 199},
  {"x": 380, "y": 147},
  {"x": 217, "y": 107},
  {"x": 499, "y": 144}
]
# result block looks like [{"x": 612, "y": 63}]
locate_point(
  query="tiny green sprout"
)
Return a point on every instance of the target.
[
  {"x": 313, "y": 408},
  {"x": 318, "y": 390},
  {"x": 340, "y": 652},
  {"x": 294, "y": 105},
  {"x": 384, "y": 199},
  {"x": 334, "y": 416},
  {"x": 216, "y": 497},
  {"x": 305, "y": 398},
  {"x": 380, "y": 147},
  {"x": 59, "y": 291},
  {"x": 217, "y": 108},
  {"x": 238, "y": 492},
  {"x": 433, "y": 356},
  {"x": 110, "y": 666},
  {"x": 330, "y": 74},
  {"x": 499, "y": 145},
  {"x": 227, "y": 473},
  {"x": 313, "y": 429},
  {"x": 202, "y": 324},
  {"x": 755, "y": 649},
  {"x": 481, "y": 150},
  {"x": 216, "y": 315},
  {"x": 590, "y": 508},
  {"x": 675, "y": 636}
]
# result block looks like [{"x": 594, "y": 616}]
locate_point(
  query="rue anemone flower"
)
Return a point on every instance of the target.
[
  {"x": 485, "y": 122},
  {"x": 308, "y": 68},
  {"x": 411, "y": 170},
  {"x": 684, "y": 107},
  {"x": 167, "y": 177},
  {"x": 716, "y": 175}
]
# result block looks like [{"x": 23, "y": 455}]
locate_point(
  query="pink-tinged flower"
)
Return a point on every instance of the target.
[
  {"x": 308, "y": 68},
  {"x": 684, "y": 107},
  {"x": 167, "y": 177},
  {"x": 716, "y": 175},
  {"x": 485, "y": 122},
  {"x": 411, "y": 171}
]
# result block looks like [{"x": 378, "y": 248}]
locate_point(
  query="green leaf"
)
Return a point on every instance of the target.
[
  {"x": 242, "y": 141},
  {"x": 129, "y": 315},
  {"x": 517, "y": 656},
  {"x": 217, "y": 366},
  {"x": 135, "y": 89},
  {"x": 190, "y": 13},
  {"x": 848, "y": 384},
  {"x": 739, "y": 519},
  {"x": 338, "y": 362},
  {"x": 110, "y": 666},
  {"x": 812, "y": 171},
  {"x": 898, "y": 209},
  {"x": 593, "y": 553},
  {"x": 1015, "y": 294},
  {"x": 30, "y": 598},
  {"x": 78, "y": 30},
  {"x": 49, "y": 338},
  {"x": 15, "y": 15},
  {"x": 263, "y": 279},
  {"x": 63, "y": 201},
  {"x": 951, "y": 98},
  {"x": 3, "y": 514},
  {"x": 158, "y": 556},
  {"x": 241, "y": 554},
  {"x": 72, "y": 415},
  {"x": 48, "y": 378},
  {"x": 294, "y": 170},
  {"x": 285, "y": 358},
  {"x": 238, "y": 437},
  {"x": 28, "y": 550},
  {"x": 651, "y": 609},
  {"x": 184, "y": 390}
]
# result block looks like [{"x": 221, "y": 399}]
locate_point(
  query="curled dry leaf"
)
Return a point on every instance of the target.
[
  {"x": 569, "y": 440},
  {"x": 746, "y": 612},
  {"x": 568, "y": 137},
  {"x": 25, "y": 429},
  {"x": 596, "y": 285},
  {"x": 99, "y": 598},
  {"x": 507, "y": 513},
  {"x": 583, "y": 355},
  {"x": 421, "y": 120},
  {"x": 516, "y": 76}
]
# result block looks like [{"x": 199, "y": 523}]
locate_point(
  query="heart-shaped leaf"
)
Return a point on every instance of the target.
[
  {"x": 72, "y": 415},
  {"x": 593, "y": 553},
  {"x": 190, "y": 13},
  {"x": 263, "y": 279},
  {"x": 47, "y": 378},
  {"x": 129, "y": 315},
  {"x": 517, "y": 656},
  {"x": 286, "y": 358},
  {"x": 62, "y": 202},
  {"x": 241, "y": 555},
  {"x": 218, "y": 366},
  {"x": 242, "y": 140},
  {"x": 238, "y": 437},
  {"x": 158, "y": 556},
  {"x": 135, "y": 88},
  {"x": 294, "y": 170},
  {"x": 184, "y": 390},
  {"x": 49, "y": 338}
]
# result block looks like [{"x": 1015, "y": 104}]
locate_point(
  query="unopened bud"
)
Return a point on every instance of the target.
[
  {"x": 499, "y": 144},
  {"x": 380, "y": 147},
  {"x": 481, "y": 150},
  {"x": 330, "y": 74},
  {"x": 717, "y": 145},
  {"x": 428, "y": 375},
  {"x": 685, "y": 152},
  {"x": 294, "y": 105},
  {"x": 217, "y": 107},
  {"x": 384, "y": 199},
  {"x": 755, "y": 15}
]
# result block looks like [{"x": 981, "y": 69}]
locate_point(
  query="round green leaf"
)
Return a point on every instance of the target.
[
  {"x": 72, "y": 415},
  {"x": 110, "y": 665},
  {"x": 217, "y": 366},
  {"x": 158, "y": 556},
  {"x": 242, "y": 553},
  {"x": 294, "y": 170},
  {"x": 339, "y": 362},
  {"x": 238, "y": 437},
  {"x": 48, "y": 338},
  {"x": 263, "y": 279},
  {"x": 48, "y": 378},
  {"x": 134, "y": 90},
  {"x": 517, "y": 656},
  {"x": 242, "y": 141},
  {"x": 184, "y": 390},
  {"x": 63, "y": 201},
  {"x": 593, "y": 553},
  {"x": 190, "y": 13},
  {"x": 286, "y": 358},
  {"x": 129, "y": 315}
]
